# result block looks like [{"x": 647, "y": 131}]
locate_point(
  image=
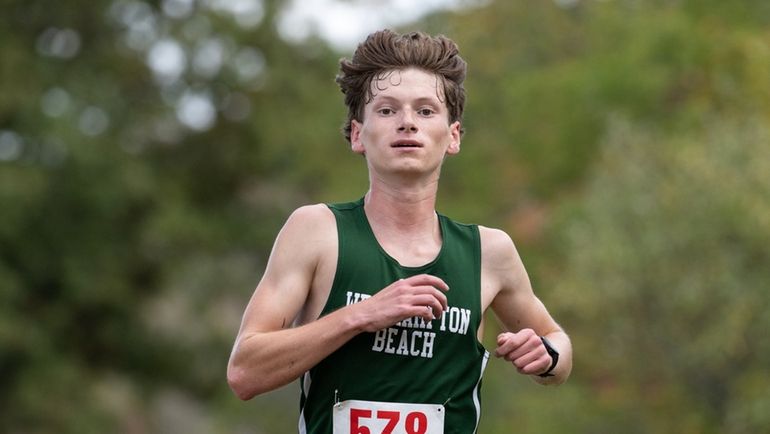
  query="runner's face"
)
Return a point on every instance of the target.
[{"x": 406, "y": 124}]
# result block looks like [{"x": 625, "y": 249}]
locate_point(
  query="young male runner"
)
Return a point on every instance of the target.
[{"x": 377, "y": 305}]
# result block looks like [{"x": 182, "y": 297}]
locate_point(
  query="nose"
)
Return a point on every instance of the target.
[{"x": 406, "y": 123}]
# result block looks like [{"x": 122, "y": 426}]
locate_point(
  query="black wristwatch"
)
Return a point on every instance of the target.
[{"x": 554, "y": 357}]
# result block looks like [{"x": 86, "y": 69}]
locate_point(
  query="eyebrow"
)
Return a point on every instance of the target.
[{"x": 420, "y": 100}]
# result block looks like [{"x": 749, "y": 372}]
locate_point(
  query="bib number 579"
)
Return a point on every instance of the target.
[
  {"x": 371, "y": 417},
  {"x": 414, "y": 423}
]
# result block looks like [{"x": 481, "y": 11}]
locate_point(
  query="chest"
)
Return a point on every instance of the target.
[{"x": 411, "y": 252}]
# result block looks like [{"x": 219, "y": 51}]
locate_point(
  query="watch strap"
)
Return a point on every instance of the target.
[{"x": 554, "y": 357}]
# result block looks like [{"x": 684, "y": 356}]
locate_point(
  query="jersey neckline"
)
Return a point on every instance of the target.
[{"x": 383, "y": 252}]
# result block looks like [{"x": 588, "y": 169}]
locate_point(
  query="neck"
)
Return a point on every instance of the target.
[
  {"x": 402, "y": 207},
  {"x": 404, "y": 221}
]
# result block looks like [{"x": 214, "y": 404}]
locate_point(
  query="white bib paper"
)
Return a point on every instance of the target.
[{"x": 371, "y": 417}]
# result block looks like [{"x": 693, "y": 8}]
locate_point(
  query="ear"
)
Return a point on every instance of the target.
[
  {"x": 454, "y": 133},
  {"x": 355, "y": 137}
]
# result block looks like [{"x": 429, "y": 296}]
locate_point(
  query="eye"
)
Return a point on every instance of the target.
[
  {"x": 386, "y": 111},
  {"x": 425, "y": 111}
]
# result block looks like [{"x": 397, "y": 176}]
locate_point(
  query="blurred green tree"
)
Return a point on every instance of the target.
[
  {"x": 667, "y": 252},
  {"x": 149, "y": 151}
]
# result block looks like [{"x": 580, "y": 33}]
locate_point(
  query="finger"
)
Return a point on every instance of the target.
[
  {"x": 437, "y": 306},
  {"x": 521, "y": 361},
  {"x": 429, "y": 313},
  {"x": 429, "y": 291},
  {"x": 522, "y": 337},
  {"x": 425, "y": 312},
  {"x": 504, "y": 337},
  {"x": 532, "y": 345},
  {"x": 427, "y": 279},
  {"x": 536, "y": 367},
  {"x": 515, "y": 345},
  {"x": 507, "y": 343},
  {"x": 504, "y": 346}
]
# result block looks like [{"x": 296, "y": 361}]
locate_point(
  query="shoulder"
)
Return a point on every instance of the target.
[
  {"x": 310, "y": 217},
  {"x": 497, "y": 245},
  {"x": 500, "y": 260},
  {"x": 309, "y": 229}
]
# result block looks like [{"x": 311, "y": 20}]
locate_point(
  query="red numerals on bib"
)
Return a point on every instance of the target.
[
  {"x": 415, "y": 422},
  {"x": 355, "y": 415},
  {"x": 392, "y": 418}
]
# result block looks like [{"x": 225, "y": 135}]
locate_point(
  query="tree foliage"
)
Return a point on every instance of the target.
[{"x": 667, "y": 251}]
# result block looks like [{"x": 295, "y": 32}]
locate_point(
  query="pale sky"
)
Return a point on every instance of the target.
[{"x": 345, "y": 23}]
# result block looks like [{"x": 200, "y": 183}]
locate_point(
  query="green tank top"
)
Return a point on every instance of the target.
[{"x": 422, "y": 362}]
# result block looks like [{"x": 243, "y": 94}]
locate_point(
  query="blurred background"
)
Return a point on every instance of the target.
[{"x": 151, "y": 150}]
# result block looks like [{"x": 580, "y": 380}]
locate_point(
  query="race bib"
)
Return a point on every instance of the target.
[{"x": 370, "y": 417}]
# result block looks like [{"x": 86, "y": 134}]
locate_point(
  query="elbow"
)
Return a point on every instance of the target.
[
  {"x": 241, "y": 384},
  {"x": 248, "y": 383},
  {"x": 248, "y": 377}
]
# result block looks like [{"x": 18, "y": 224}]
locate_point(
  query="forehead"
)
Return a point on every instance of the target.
[{"x": 406, "y": 83}]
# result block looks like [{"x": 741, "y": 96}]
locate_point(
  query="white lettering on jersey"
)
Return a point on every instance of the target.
[
  {"x": 404, "y": 342},
  {"x": 409, "y": 337}
]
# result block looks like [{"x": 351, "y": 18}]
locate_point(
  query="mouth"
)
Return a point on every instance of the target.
[{"x": 406, "y": 144}]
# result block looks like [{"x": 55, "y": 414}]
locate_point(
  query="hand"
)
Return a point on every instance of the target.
[
  {"x": 417, "y": 296},
  {"x": 525, "y": 351}
]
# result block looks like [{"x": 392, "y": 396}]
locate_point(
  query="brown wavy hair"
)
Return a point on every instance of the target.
[{"x": 385, "y": 51}]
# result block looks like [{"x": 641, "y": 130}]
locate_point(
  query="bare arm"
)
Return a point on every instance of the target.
[
  {"x": 268, "y": 352},
  {"x": 522, "y": 314}
]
